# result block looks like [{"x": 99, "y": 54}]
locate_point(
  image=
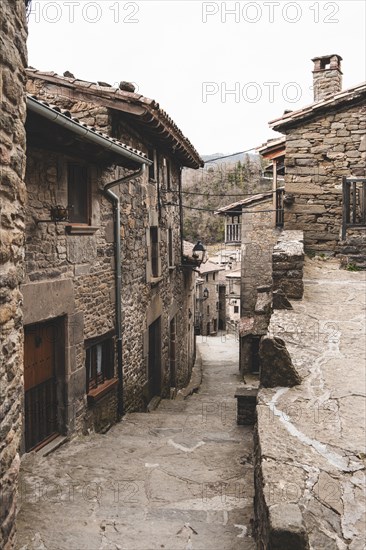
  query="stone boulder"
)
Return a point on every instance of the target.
[
  {"x": 280, "y": 300},
  {"x": 276, "y": 368}
]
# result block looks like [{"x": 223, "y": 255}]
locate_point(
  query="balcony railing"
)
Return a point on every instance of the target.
[
  {"x": 354, "y": 204},
  {"x": 233, "y": 233},
  {"x": 279, "y": 207}
]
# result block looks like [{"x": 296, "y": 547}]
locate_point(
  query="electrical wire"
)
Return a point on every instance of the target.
[
  {"x": 234, "y": 212},
  {"x": 228, "y": 156},
  {"x": 223, "y": 194}
]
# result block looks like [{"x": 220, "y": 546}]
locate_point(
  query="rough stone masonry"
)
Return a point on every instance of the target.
[{"x": 12, "y": 197}]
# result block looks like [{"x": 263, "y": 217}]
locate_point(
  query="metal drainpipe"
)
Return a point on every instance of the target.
[{"x": 118, "y": 275}]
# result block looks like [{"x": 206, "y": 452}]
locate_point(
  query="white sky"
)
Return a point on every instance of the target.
[{"x": 263, "y": 50}]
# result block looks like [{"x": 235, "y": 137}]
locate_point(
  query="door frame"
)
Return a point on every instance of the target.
[{"x": 59, "y": 324}]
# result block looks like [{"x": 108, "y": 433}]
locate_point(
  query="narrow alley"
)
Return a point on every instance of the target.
[{"x": 180, "y": 477}]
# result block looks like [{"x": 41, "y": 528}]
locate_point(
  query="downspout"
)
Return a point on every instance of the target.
[{"x": 118, "y": 275}]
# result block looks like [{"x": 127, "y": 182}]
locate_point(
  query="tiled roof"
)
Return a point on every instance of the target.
[
  {"x": 32, "y": 99},
  {"x": 335, "y": 100},
  {"x": 244, "y": 202},
  {"x": 271, "y": 144},
  {"x": 146, "y": 111}
]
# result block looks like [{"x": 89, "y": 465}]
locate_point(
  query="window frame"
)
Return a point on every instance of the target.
[
  {"x": 98, "y": 382},
  {"x": 153, "y": 168},
  {"x": 154, "y": 251},
  {"x": 170, "y": 243},
  {"x": 72, "y": 167}
]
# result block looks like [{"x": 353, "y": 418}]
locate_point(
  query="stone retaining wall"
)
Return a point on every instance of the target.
[
  {"x": 12, "y": 198},
  {"x": 288, "y": 264}
]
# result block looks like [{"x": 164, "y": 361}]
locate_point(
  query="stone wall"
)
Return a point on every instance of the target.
[
  {"x": 288, "y": 264},
  {"x": 259, "y": 236},
  {"x": 12, "y": 198},
  {"x": 69, "y": 279},
  {"x": 318, "y": 154},
  {"x": 210, "y": 306}
]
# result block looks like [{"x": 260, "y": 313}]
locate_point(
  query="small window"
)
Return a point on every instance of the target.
[
  {"x": 78, "y": 194},
  {"x": 208, "y": 310},
  {"x": 152, "y": 168},
  {"x": 236, "y": 309},
  {"x": 213, "y": 276},
  {"x": 99, "y": 363},
  {"x": 170, "y": 247},
  {"x": 207, "y": 276},
  {"x": 154, "y": 243}
]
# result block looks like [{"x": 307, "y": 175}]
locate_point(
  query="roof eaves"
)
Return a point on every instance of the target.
[
  {"x": 63, "y": 117},
  {"x": 151, "y": 107},
  {"x": 315, "y": 108}
]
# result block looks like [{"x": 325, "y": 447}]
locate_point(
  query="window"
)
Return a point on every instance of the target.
[
  {"x": 154, "y": 244},
  {"x": 213, "y": 276},
  {"x": 170, "y": 248},
  {"x": 207, "y": 276},
  {"x": 78, "y": 194},
  {"x": 152, "y": 168},
  {"x": 99, "y": 363},
  {"x": 208, "y": 310},
  {"x": 236, "y": 309}
]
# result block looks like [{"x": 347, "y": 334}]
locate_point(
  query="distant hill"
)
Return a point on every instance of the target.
[{"x": 221, "y": 182}]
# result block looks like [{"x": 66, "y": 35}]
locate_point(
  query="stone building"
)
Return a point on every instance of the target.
[
  {"x": 13, "y": 61},
  {"x": 207, "y": 299},
  {"x": 71, "y": 311},
  {"x": 232, "y": 299},
  {"x": 325, "y": 174},
  {"x": 72, "y": 265}
]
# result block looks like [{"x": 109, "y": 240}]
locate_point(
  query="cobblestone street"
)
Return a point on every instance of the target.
[{"x": 180, "y": 477}]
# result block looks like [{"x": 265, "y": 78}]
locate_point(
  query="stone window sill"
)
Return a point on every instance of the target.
[
  {"x": 81, "y": 229},
  {"x": 97, "y": 393}
]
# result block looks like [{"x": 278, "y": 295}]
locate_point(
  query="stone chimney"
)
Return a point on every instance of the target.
[{"x": 327, "y": 76}]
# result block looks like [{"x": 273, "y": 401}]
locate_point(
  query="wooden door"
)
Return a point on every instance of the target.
[
  {"x": 40, "y": 401},
  {"x": 155, "y": 359},
  {"x": 172, "y": 352}
]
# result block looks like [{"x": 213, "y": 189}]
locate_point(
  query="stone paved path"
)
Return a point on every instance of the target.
[{"x": 178, "y": 478}]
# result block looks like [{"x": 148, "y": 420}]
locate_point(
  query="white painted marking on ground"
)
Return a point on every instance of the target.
[{"x": 184, "y": 448}]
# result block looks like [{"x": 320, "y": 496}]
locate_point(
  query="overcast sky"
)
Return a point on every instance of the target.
[{"x": 189, "y": 56}]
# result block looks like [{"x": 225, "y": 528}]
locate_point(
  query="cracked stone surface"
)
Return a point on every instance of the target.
[
  {"x": 312, "y": 436},
  {"x": 180, "y": 477}
]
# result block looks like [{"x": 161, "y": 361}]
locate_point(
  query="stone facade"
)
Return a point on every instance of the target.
[
  {"x": 318, "y": 154},
  {"x": 12, "y": 199},
  {"x": 63, "y": 285},
  {"x": 157, "y": 295},
  {"x": 259, "y": 236},
  {"x": 233, "y": 286},
  {"x": 207, "y": 299},
  {"x": 325, "y": 142}
]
